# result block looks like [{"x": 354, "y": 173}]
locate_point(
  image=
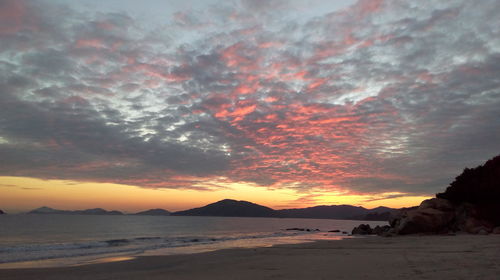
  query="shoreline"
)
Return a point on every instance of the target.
[
  {"x": 411, "y": 257},
  {"x": 297, "y": 238}
]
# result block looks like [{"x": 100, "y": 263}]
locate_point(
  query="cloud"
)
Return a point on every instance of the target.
[{"x": 381, "y": 96}]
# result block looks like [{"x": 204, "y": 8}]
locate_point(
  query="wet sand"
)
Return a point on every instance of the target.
[{"x": 407, "y": 257}]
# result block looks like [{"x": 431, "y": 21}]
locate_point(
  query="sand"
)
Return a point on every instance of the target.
[{"x": 407, "y": 257}]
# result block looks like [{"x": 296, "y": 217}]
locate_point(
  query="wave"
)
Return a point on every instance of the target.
[{"x": 136, "y": 245}]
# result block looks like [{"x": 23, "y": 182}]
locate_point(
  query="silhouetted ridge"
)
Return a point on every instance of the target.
[
  {"x": 341, "y": 212},
  {"x": 229, "y": 208},
  {"x": 470, "y": 204},
  {"x": 476, "y": 185},
  {"x": 95, "y": 211},
  {"x": 154, "y": 212},
  {"x": 234, "y": 208},
  {"x": 324, "y": 212}
]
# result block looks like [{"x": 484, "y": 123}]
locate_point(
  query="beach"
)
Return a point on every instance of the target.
[{"x": 402, "y": 257}]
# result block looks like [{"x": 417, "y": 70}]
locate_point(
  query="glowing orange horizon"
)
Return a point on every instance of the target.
[{"x": 19, "y": 194}]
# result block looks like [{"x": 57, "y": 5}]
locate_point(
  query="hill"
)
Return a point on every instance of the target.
[
  {"x": 229, "y": 208},
  {"x": 340, "y": 212},
  {"x": 324, "y": 212},
  {"x": 154, "y": 212},
  {"x": 95, "y": 211},
  {"x": 234, "y": 208},
  {"x": 480, "y": 187}
]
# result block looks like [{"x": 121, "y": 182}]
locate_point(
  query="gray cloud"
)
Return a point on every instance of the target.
[{"x": 382, "y": 96}]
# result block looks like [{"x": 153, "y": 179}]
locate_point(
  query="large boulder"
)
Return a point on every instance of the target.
[
  {"x": 469, "y": 218},
  {"x": 438, "y": 204},
  {"x": 432, "y": 216},
  {"x": 496, "y": 230},
  {"x": 470, "y": 204},
  {"x": 439, "y": 215},
  {"x": 362, "y": 230}
]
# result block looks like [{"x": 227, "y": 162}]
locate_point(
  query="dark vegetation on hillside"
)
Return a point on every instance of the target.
[
  {"x": 476, "y": 185},
  {"x": 470, "y": 204}
]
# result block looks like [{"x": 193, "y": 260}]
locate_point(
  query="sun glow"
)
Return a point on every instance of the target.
[{"x": 18, "y": 194}]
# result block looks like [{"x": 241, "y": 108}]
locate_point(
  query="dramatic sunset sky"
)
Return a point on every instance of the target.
[{"x": 131, "y": 105}]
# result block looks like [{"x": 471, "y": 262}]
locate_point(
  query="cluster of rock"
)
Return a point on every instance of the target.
[
  {"x": 302, "y": 229},
  {"x": 338, "y": 231},
  {"x": 470, "y": 204},
  {"x": 365, "y": 229},
  {"x": 438, "y": 215}
]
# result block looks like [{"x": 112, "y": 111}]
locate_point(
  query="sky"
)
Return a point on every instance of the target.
[{"x": 131, "y": 105}]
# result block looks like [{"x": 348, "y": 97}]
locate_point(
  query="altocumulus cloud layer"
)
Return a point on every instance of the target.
[{"x": 382, "y": 96}]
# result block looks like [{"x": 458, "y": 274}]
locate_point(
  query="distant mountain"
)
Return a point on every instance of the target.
[
  {"x": 46, "y": 210},
  {"x": 154, "y": 212},
  {"x": 95, "y": 211},
  {"x": 382, "y": 209},
  {"x": 229, "y": 208},
  {"x": 234, "y": 208},
  {"x": 324, "y": 212},
  {"x": 383, "y": 216},
  {"x": 377, "y": 214}
]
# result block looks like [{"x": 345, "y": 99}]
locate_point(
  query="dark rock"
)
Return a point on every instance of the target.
[
  {"x": 425, "y": 218},
  {"x": 297, "y": 229},
  {"x": 117, "y": 242},
  {"x": 335, "y": 230},
  {"x": 482, "y": 231},
  {"x": 344, "y": 232},
  {"x": 380, "y": 230},
  {"x": 437, "y": 203},
  {"x": 2, "y": 212},
  {"x": 496, "y": 230},
  {"x": 362, "y": 229},
  {"x": 302, "y": 229},
  {"x": 365, "y": 229}
]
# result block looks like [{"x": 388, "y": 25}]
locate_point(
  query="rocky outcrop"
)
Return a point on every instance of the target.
[
  {"x": 362, "y": 229},
  {"x": 432, "y": 216},
  {"x": 2, "y": 212},
  {"x": 439, "y": 215},
  {"x": 365, "y": 229},
  {"x": 496, "y": 230},
  {"x": 302, "y": 229},
  {"x": 470, "y": 204}
]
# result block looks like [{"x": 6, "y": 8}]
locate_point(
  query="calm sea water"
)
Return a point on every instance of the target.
[{"x": 48, "y": 240}]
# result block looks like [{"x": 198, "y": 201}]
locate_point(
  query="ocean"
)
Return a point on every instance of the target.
[{"x": 61, "y": 240}]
